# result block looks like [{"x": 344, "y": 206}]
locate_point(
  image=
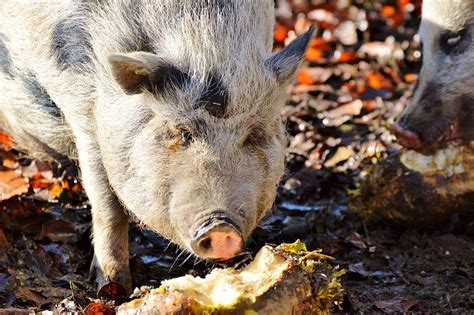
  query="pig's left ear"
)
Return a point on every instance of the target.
[
  {"x": 139, "y": 71},
  {"x": 285, "y": 62}
]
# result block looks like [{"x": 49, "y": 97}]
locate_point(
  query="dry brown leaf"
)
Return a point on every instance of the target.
[
  {"x": 12, "y": 184},
  {"x": 342, "y": 154}
]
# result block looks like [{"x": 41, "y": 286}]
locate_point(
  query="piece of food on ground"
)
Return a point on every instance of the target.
[
  {"x": 422, "y": 190},
  {"x": 286, "y": 279}
]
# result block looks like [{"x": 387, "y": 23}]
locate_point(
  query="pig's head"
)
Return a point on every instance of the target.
[
  {"x": 211, "y": 144},
  {"x": 442, "y": 107}
]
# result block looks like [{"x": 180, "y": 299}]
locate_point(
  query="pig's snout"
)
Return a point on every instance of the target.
[
  {"x": 218, "y": 240},
  {"x": 406, "y": 138}
]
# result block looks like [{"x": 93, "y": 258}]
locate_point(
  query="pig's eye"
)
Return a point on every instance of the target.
[
  {"x": 186, "y": 137},
  {"x": 450, "y": 41}
]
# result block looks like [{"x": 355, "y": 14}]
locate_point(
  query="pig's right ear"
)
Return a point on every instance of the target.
[
  {"x": 142, "y": 71},
  {"x": 136, "y": 71},
  {"x": 284, "y": 63}
]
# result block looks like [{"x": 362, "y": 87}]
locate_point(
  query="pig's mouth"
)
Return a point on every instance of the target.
[
  {"x": 452, "y": 134},
  {"x": 429, "y": 138}
]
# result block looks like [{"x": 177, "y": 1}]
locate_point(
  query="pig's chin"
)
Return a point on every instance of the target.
[{"x": 450, "y": 135}]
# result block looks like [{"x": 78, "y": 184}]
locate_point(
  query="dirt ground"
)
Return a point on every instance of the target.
[{"x": 357, "y": 78}]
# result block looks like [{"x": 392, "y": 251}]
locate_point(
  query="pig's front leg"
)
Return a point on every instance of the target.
[{"x": 109, "y": 220}]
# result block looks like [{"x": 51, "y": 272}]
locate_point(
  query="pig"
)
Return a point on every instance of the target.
[
  {"x": 170, "y": 108},
  {"x": 442, "y": 106}
]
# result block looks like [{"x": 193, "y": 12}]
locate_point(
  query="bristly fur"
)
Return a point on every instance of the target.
[
  {"x": 5, "y": 62},
  {"x": 170, "y": 154},
  {"x": 446, "y": 79}
]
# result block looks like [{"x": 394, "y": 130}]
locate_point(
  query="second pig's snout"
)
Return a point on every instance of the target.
[{"x": 406, "y": 138}]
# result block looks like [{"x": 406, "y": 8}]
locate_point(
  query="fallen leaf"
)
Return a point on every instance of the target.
[
  {"x": 410, "y": 78},
  {"x": 9, "y": 160},
  {"x": 10, "y": 164},
  {"x": 358, "y": 269},
  {"x": 4, "y": 244},
  {"x": 29, "y": 296},
  {"x": 388, "y": 11},
  {"x": 38, "y": 170},
  {"x": 346, "y": 57},
  {"x": 323, "y": 16},
  {"x": 320, "y": 43},
  {"x": 353, "y": 109},
  {"x": 49, "y": 193},
  {"x": 395, "y": 305},
  {"x": 380, "y": 50},
  {"x": 301, "y": 25},
  {"x": 12, "y": 184},
  {"x": 342, "y": 154},
  {"x": 346, "y": 33},
  {"x": 6, "y": 142},
  {"x": 313, "y": 75},
  {"x": 356, "y": 240},
  {"x": 280, "y": 33},
  {"x": 378, "y": 81},
  {"x": 314, "y": 54},
  {"x": 59, "y": 230},
  {"x": 99, "y": 308}
]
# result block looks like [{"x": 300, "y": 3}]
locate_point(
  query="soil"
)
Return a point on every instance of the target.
[{"x": 356, "y": 80}]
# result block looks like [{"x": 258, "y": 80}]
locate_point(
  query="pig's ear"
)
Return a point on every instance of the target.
[
  {"x": 135, "y": 72},
  {"x": 285, "y": 62},
  {"x": 140, "y": 71}
]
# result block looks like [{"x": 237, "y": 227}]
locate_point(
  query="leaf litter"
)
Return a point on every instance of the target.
[{"x": 358, "y": 75}]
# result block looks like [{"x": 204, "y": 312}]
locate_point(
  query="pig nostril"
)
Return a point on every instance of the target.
[
  {"x": 217, "y": 238},
  {"x": 205, "y": 244}
]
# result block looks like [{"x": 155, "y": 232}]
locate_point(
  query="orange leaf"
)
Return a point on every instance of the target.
[
  {"x": 314, "y": 75},
  {"x": 304, "y": 77},
  {"x": 6, "y": 141},
  {"x": 403, "y": 3},
  {"x": 410, "y": 78},
  {"x": 39, "y": 183},
  {"x": 76, "y": 188},
  {"x": 99, "y": 308},
  {"x": 397, "y": 19},
  {"x": 280, "y": 33},
  {"x": 314, "y": 54},
  {"x": 320, "y": 43},
  {"x": 65, "y": 184},
  {"x": 388, "y": 11},
  {"x": 360, "y": 89},
  {"x": 348, "y": 57},
  {"x": 56, "y": 190},
  {"x": 369, "y": 105},
  {"x": 325, "y": 25},
  {"x": 378, "y": 81}
]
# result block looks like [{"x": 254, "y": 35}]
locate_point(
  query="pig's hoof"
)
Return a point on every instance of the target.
[
  {"x": 116, "y": 287},
  {"x": 112, "y": 291}
]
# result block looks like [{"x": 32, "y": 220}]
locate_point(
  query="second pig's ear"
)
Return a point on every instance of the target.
[
  {"x": 141, "y": 71},
  {"x": 284, "y": 63}
]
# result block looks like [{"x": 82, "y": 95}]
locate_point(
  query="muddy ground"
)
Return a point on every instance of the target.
[{"x": 357, "y": 78}]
